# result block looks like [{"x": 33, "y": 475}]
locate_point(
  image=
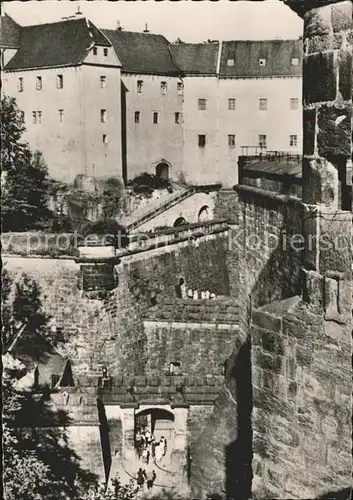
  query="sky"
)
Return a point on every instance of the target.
[{"x": 188, "y": 20}]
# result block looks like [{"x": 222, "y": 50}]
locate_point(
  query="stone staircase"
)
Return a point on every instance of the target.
[{"x": 155, "y": 207}]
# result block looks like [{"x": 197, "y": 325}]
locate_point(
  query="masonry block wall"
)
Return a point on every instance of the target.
[
  {"x": 301, "y": 347},
  {"x": 302, "y": 384},
  {"x": 200, "y": 350},
  {"x": 262, "y": 267},
  {"x": 110, "y": 332}
]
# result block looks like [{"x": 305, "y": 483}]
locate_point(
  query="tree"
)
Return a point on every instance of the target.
[
  {"x": 110, "y": 230},
  {"x": 115, "y": 491},
  {"x": 24, "y": 179},
  {"x": 21, "y": 303},
  {"x": 37, "y": 461},
  {"x": 111, "y": 198},
  {"x": 27, "y": 304},
  {"x": 6, "y": 307}
]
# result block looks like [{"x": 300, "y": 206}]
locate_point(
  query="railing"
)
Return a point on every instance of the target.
[
  {"x": 252, "y": 152},
  {"x": 165, "y": 205},
  {"x": 140, "y": 242},
  {"x": 160, "y": 208}
]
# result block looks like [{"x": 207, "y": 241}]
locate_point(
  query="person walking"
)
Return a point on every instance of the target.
[
  {"x": 158, "y": 451},
  {"x": 145, "y": 456},
  {"x": 151, "y": 477},
  {"x": 163, "y": 444},
  {"x": 141, "y": 476}
]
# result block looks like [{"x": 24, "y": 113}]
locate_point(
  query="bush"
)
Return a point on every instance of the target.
[
  {"x": 114, "y": 233},
  {"x": 146, "y": 183},
  {"x": 61, "y": 223}
]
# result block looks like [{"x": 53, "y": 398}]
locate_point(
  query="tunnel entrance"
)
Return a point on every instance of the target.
[
  {"x": 157, "y": 421},
  {"x": 162, "y": 170},
  {"x": 180, "y": 221}
]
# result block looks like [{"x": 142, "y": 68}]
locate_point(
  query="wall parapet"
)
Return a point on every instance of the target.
[{"x": 262, "y": 193}]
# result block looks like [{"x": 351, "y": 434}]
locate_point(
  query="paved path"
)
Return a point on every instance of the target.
[{"x": 166, "y": 478}]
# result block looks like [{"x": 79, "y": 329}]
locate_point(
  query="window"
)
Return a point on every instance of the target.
[
  {"x": 59, "y": 81},
  {"x": 202, "y": 103},
  {"x": 202, "y": 141},
  {"x": 174, "y": 368},
  {"x": 293, "y": 141},
  {"x": 61, "y": 115},
  {"x": 137, "y": 117},
  {"x": 230, "y": 62},
  {"x": 262, "y": 61},
  {"x": 163, "y": 87},
  {"x": 294, "y": 103},
  {"x": 105, "y": 52},
  {"x": 180, "y": 88},
  {"x": 295, "y": 61},
  {"x": 95, "y": 51},
  {"x": 103, "y": 115},
  {"x": 139, "y": 86},
  {"x": 231, "y": 140},
  {"x": 263, "y": 104},
  {"x": 263, "y": 141},
  {"x": 54, "y": 380},
  {"x": 103, "y": 82},
  {"x": 177, "y": 117},
  {"x": 22, "y": 116},
  {"x": 155, "y": 117},
  {"x": 39, "y": 83},
  {"x": 105, "y": 139},
  {"x": 37, "y": 116},
  {"x": 20, "y": 84},
  {"x": 231, "y": 104}
]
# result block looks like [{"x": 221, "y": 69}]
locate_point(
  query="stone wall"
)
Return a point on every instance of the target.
[
  {"x": 110, "y": 332},
  {"x": 264, "y": 257},
  {"x": 199, "y": 350},
  {"x": 301, "y": 372}
]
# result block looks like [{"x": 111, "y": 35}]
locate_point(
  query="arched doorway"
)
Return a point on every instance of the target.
[
  {"x": 162, "y": 170},
  {"x": 157, "y": 421},
  {"x": 204, "y": 214},
  {"x": 180, "y": 221}
]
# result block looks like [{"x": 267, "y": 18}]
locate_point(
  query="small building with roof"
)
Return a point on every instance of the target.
[
  {"x": 118, "y": 103},
  {"x": 45, "y": 366},
  {"x": 198, "y": 64},
  {"x": 152, "y": 102},
  {"x": 65, "y": 77},
  {"x": 260, "y": 98}
]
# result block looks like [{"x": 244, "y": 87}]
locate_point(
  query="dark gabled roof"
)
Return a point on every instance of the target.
[
  {"x": 34, "y": 351},
  {"x": 196, "y": 58},
  {"x": 64, "y": 43},
  {"x": 291, "y": 167},
  {"x": 219, "y": 310},
  {"x": 9, "y": 33},
  {"x": 143, "y": 53},
  {"x": 246, "y": 55}
]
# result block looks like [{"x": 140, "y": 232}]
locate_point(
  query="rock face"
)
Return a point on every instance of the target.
[{"x": 302, "y": 6}]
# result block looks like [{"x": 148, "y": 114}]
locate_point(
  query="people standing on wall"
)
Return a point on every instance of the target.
[{"x": 183, "y": 289}]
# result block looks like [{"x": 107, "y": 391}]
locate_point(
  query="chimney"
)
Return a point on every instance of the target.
[
  {"x": 118, "y": 27},
  {"x": 146, "y": 30}
]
